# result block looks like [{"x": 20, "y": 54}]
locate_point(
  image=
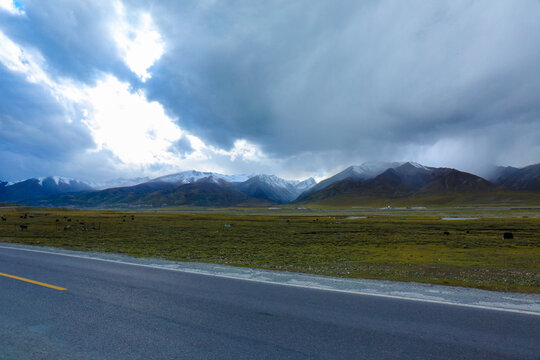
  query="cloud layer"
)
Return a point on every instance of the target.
[{"x": 293, "y": 88}]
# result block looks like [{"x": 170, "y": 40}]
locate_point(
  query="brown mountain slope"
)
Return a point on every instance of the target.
[
  {"x": 524, "y": 179},
  {"x": 412, "y": 184}
]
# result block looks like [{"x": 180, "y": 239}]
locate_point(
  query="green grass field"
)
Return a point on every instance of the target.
[{"x": 404, "y": 246}]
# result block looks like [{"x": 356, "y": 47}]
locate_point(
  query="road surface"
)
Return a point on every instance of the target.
[{"x": 60, "y": 307}]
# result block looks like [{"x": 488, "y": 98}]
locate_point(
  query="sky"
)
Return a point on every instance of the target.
[{"x": 97, "y": 90}]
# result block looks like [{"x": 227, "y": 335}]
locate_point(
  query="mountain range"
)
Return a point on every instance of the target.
[
  {"x": 526, "y": 178},
  {"x": 38, "y": 188},
  {"x": 404, "y": 181},
  {"x": 366, "y": 184},
  {"x": 193, "y": 188}
]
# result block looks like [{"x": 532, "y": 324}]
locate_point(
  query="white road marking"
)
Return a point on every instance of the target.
[{"x": 324, "y": 288}]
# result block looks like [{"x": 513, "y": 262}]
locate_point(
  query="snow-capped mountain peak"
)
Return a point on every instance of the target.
[
  {"x": 373, "y": 168},
  {"x": 273, "y": 180},
  {"x": 306, "y": 184},
  {"x": 278, "y": 182},
  {"x": 118, "y": 182},
  {"x": 58, "y": 180},
  {"x": 418, "y": 166},
  {"x": 42, "y": 187},
  {"x": 191, "y": 176},
  {"x": 365, "y": 171},
  {"x": 274, "y": 188}
]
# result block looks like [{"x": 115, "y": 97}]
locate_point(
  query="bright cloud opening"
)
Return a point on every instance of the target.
[
  {"x": 16, "y": 59},
  {"x": 126, "y": 123},
  {"x": 123, "y": 122},
  {"x": 244, "y": 150},
  {"x": 140, "y": 44},
  {"x": 12, "y": 7},
  {"x": 134, "y": 129}
]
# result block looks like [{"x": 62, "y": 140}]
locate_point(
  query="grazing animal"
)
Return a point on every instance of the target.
[
  {"x": 67, "y": 227},
  {"x": 446, "y": 233},
  {"x": 69, "y": 219},
  {"x": 4, "y": 218},
  {"x": 508, "y": 236},
  {"x": 23, "y": 227},
  {"x": 57, "y": 220},
  {"x": 132, "y": 217}
]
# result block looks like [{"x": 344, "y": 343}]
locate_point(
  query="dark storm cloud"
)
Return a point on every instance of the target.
[
  {"x": 73, "y": 36},
  {"x": 41, "y": 134},
  {"x": 36, "y": 136},
  {"x": 316, "y": 84},
  {"x": 351, "y": 76},
  {"x": 181, "y": 147}
]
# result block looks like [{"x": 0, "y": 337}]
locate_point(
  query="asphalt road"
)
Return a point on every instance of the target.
[{"x": 120, "y": 311}]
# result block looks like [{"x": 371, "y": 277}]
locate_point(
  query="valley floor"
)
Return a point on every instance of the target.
[{"x": 463, "y": 247}]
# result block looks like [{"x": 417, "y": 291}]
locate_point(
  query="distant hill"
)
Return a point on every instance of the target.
[
  {"x": 191, "y": 176},
  {"x": 3, "y": 185},
  {"x": 32, "y": 189},
  {"x": 369, "y": 184},
  {"x": 367, "y": 170},
  {"x": 523, "y": 179},
  {"x": 187, "y": 189},
  {"x": 204, "y": 192},
  {"x": 119, "y": 182},
  {"x": 406, "y": 181},
  {"x": 120, "y": 196},
  {"x": 274, "y": 189}
]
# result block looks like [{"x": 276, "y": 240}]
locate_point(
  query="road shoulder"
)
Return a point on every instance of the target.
[{"x": 458, "y": 296}]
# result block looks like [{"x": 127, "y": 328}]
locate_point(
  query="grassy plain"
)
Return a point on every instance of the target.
[{"x": 393, "y": 245}]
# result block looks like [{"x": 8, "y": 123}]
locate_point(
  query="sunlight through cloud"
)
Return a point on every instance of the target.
[
  {"x": 140, "y": 44},
  {"x": 13, "y": 57},
  {"x": 125, "y": 122},
  {"x": 12, "y": 7},
  {"x": 122, "y": 121}
]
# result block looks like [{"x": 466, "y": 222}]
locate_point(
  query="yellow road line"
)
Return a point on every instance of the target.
[{"x": 33, "y": 282}]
